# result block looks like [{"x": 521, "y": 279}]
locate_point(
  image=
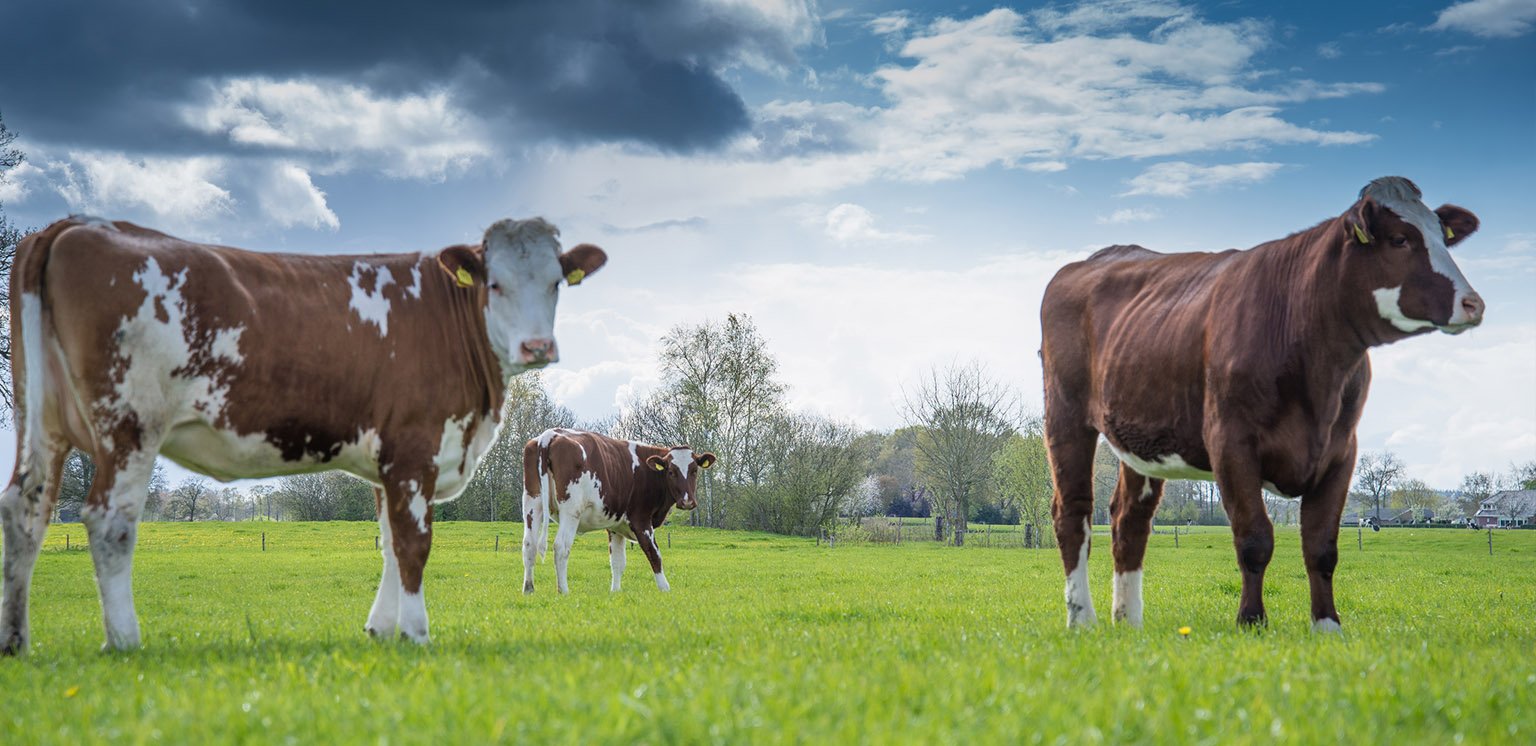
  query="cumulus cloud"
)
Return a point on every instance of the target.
[
  {"x": 849, "y": 223},
  {"x": 1129, "y": 215},
  {"x": 286, "y": 194},
  {"x": 180, "y": 189},
  {"x": 1179, "y": 178},
  {"x": 1492, "y": 19},
  {"x": 890, "y": 23}
]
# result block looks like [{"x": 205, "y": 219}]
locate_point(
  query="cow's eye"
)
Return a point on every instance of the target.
[
  {"x": 1400, "y": 242},
  {"x": 496, "y": 286}
]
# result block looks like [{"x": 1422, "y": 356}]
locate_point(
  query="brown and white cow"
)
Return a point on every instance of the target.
[
  {"x": 131, "y": 343},
  {"x": 1246, "y": 367},
  {"x": 591, "y": 482}
]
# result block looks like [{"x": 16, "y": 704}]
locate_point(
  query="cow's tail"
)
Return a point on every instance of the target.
[
  {"x": 542, "y": 541},
  {"x": 536, "y": 492},
  {"x": 30, "y": 337}
]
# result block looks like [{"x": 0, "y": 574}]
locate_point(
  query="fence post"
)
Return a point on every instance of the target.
[
  {"x": 898, "y": 529},
  {"x": 989, "y": 536},
  {"x": 375, "y": 542},
  {"x": 263, "y": 541},
  {"x": 669, "y": 537},
  {"x": 66, "y": 542},
  {"x": 1359, "y": 536},
  {"x": 1175, "y": 536},
  {"x": 1490, "y": 541},
  {"x": 498, "y": 543}
]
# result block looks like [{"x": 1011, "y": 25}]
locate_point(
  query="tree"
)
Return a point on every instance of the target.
[
  {"x": 9, "y": 237},
  {"x": 718, "y": 393},
  {"x": 189, "y": 501},
  {"x": 895, "y": 469},
  {"x": 1376, "y": 475},
  {"x": 963, "y": 418},
  {"x": 159, "y": 493},
  {"x": 1416, "y": 497},
  {"x": 816, "y": 473},
  {"x": 1022, "y": 470},
  {"x": 261, "y": 496},
  {"x": 1521, "y": 476},
  {"x": 496, "y": 491},
  {"x": 326, "y": 496},
  {"x": 1475, "y": 488}
]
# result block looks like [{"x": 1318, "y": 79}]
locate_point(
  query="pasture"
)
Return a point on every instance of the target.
[{"x": 768, "y": 639}]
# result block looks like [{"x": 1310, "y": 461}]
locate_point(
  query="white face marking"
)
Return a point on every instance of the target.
[
  {"x": 683, "y": 458},
  {"x": 371, "y": 306},
  {"x": 1163, "y": 467},
  {"x": 522, "y": 260},
  {"x": 1394, "y": 196},
  {"x": 1387, "y": 305},
  {"x": 1126, "y": 604},
  {"x": 1326, "y": 626},
  {"x": 1079, "y": 601}
]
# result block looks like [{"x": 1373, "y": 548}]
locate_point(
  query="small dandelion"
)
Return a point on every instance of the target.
[
  {"x": 72, "y": 691},
  {"x": 1184, "y": 631}
]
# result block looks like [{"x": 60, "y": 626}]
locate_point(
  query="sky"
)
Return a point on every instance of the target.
[{"x": 884, "y": 187}]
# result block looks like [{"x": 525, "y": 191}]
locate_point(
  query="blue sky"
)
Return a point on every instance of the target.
[{"x": 883, "y": 186}]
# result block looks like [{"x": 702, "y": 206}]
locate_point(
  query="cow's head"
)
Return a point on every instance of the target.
[
  {"x": 520, "y": 267},
  {"x": 1398, "y": 248},
  {"x": 679, "y": 472}
]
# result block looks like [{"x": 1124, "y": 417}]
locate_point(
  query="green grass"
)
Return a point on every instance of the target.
[{"x": 772, "y": 639}]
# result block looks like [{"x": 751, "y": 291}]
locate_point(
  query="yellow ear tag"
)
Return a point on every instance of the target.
[
  {"x": 1448, "y": 234},
  {"x": 464, "y": 278},
  {"x": 658, "y": 466},
  {"x": 575, "y": 276},
  {"x": 1360, "y": 234}
]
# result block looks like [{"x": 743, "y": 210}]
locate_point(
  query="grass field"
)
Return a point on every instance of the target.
[{"x": 772, "y": 639}]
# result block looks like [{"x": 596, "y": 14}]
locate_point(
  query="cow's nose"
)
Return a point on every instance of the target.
[
  {"x": 539, "y": 351},
  {"x": 1472, "y": 305}
]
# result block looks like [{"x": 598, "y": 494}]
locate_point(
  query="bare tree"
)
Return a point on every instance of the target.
[
  {"x": 1376, "y": 475},
  {"x": 9, "y": 237},
  {"x": 1022, "y": 470},
  {"x": 1475, "y": 488},
  {"x": 495, "y": 492},
  {"x": 1418, "y": 498},
  {"x": 963, "y": 418},
  {"x": 189, "y": 501}
]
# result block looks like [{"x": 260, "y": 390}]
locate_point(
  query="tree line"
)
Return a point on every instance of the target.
[{"x": 967, "y": 452}]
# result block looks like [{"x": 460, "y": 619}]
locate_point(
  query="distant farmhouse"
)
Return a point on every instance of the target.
[{"x": 1507, "y": 509}]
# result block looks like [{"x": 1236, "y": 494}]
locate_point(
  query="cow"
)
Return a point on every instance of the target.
[
  {"x": 591, "y": 482},
  {"x": 130, "y": 343},
  {"x": 1248, "y": 368}
]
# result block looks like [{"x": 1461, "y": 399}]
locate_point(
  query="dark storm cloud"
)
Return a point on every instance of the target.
[{"x": 116, "y": 74}]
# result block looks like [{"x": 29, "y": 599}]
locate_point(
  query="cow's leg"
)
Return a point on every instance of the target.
[
  {"x": 646, "y": 538},
  {"x": 111, "y": 518},
  {"x": 1253, "y": 536},
  {"x": 25, "y": 507},
  {"x": 1071, "y": 449},
  {"x": 565, "y": 537},
  {"x": 616, "y": 548},
  {"x": 535, "y": 533},
  {"x": 1320, "y": 511},
  {"x": 385, "y": 614},
  {"x": 409, "y": 504},
  {"x": 1134, "y": 503}
]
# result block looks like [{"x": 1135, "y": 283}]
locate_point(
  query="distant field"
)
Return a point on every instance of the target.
[{"x": 772, "y": 639}]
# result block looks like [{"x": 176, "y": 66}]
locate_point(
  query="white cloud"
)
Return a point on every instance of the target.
[
  {"x": 1330, "y": 50},
  {"x": 288, "y": 196},
  {"x": 1129, "y": 215},
  {"x": 181, "y": 190},
  {"x": 13, "y": 184},
  {"x": 410, "y": 136},
  {"x": 1179, "y": 179},
  {"x": 1493, "y": 19},
  {"x": 849, "y": 223},
  {"x": 891, "y": 23}
]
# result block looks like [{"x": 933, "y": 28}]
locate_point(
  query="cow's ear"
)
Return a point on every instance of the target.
[
  {"x": 1357, "y": 224},
  {"x": 704, "y": 460},
  {"x": 465, "y": 265},
  {"x": 581, "y": 261},
  {"x": 1458, "y": 223},
  {"x": 656, "y": 463}
]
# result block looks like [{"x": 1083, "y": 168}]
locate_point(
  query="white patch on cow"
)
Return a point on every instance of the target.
[
  {"x": 634, "y": 454},
  {"x": 413, "y": 290},
  {"x": 226, "y": 344},
  {"x": 457, "y": 460},
  {"x": 1079, "y": 601},
  {"x": 1171, "y": 466},
  {"x": 413, "y": 617},
  {"x": 1126, "y": 603},
  {"x": 1326, "y": 626},
  {"x": 1146, "y": 490},
  {"x": 113, "y": 530},
  {"x": 36, "y": 382},
  {"x": 546, "y": 436},
  {"x": 418, "y": 505},
  {"x": 371, "y": 306},
  {"x": 661, "y": 582},
  {"x": 1387, "y": 304},
  {"x": 583, "y": 506},
  {"x": 616, "y": 559}
]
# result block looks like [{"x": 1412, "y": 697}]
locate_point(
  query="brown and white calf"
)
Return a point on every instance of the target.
[
  {"x": 131, "y": 343},
  {"x": 1248, "y": 368},
  {"x": 591, "y": 482}
]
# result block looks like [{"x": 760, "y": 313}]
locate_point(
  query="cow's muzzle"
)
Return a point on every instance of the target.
[
  {"x": 1468, "y": 313},
  {"x": 538, "y": 352},
  {"x": 687, "y": 503}
]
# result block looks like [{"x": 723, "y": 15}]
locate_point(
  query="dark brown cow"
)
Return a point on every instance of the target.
[
  {"x": 130, "y": 343},
  {"x": 1246, "y": 367},
  {"x": 590, "y": 482}
]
